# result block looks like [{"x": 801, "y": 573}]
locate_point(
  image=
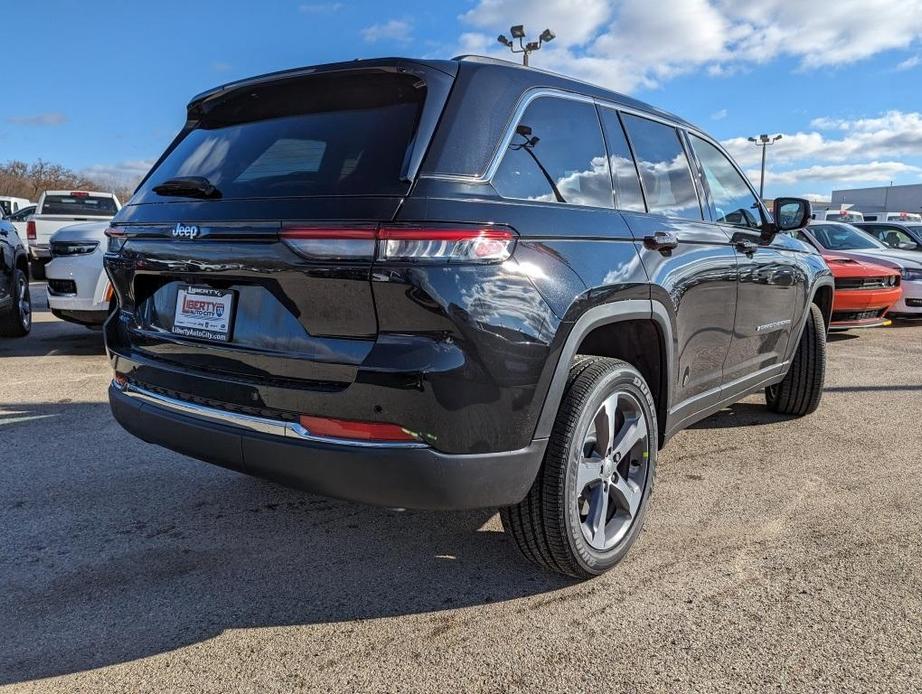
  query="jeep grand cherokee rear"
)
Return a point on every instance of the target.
[{"x": 454, "y": 284}]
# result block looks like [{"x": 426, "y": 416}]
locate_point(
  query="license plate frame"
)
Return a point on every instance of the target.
[{"x": 204, "y": 313}]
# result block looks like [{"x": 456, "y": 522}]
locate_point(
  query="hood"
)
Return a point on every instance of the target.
[
  {"x": 88, "y": 231},
  {"x": 843, "y": 266},
  {"x": 887, "y": 257}
]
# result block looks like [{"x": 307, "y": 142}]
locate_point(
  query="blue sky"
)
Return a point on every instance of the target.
[{"x": 101, "y": 85}]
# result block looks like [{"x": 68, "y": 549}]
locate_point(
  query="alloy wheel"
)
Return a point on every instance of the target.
[
  {"x": 25, "y": 303},
  {"x": 612, "y": 471}
]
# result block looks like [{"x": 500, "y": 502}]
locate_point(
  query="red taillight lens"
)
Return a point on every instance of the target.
[
  {"x": 79, "y": 194},
  {"x": 446, "y": 245},
  {"x": 355, "y": 430},
  {"x": 330, "y": 243},
  {"x": 30, "y": 231},
  {"x": 117, "y": 238}
]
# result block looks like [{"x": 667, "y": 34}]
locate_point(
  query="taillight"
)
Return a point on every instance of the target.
[
  {"x": 355, "y": 430},
  {"x": 117, "y": 239},
  {"x": 447, "y": 245},
  {"x": 30, "y": 231},
  {"x": 402, "y": 244},
  {"x": 330, "y": 243}
]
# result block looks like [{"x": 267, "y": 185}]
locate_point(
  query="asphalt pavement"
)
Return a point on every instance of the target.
[{"x": 779, "y": 555}]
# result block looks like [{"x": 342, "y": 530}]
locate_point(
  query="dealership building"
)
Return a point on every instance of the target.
[{"x": 881, "y": 199}]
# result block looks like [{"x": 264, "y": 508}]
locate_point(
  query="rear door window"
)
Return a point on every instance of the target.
[
  {"x": 732, "y": 200},
  {"x": 321, "y": 135},
  {"x": 664, "y": 170},
  {"x": 557, "y": 154},
  {"x": 79, "y": 205},
  {"x": 628, "y": 195}
]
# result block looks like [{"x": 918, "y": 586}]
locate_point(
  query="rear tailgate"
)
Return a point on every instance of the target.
[{"x": 328, "y": 153}]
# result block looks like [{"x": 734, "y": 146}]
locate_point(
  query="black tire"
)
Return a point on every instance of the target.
[
  {"x": 801, "y": 390},
  {"x": 16, "y": 321},
  {"x": 546, "y": 526},
  {"x": 37, "y": 269}
]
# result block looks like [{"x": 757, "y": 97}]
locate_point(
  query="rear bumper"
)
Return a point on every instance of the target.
[{"x": 387, "y": 475}]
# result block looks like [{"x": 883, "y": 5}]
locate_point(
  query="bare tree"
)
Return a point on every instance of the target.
[{"x": 22, "y": 180}]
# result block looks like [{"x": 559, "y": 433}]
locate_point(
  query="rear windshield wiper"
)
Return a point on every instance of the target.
[{"x": 188, "y": 186}]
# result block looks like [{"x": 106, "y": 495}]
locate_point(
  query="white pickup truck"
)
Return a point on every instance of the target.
[{"x": 61, "y": 208}]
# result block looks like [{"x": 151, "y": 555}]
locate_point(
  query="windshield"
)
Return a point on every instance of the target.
[
  {"x": 904, "y": 217},
  {"x": 843, "y": 217},
  {"x": 842, "y": 237},
  {"x": 343, "y": 135},
  {"x": 917, "y": 228},
  {"x": 80, "y": 205}
]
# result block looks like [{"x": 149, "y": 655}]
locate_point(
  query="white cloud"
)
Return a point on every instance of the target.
[
  {"x": 872, "y": 172},
  {"x": 719, "y": 115},
  {"x": 320, "y": 7},
  {"x": 625, "y": 44},
  {"x": 393, "y": 30},
  {"x": 910, "y": 63},
  {"x": 52, "y": 119},
  {"x": 121, "y": 173},
  {"x": 893, "y": 134}
]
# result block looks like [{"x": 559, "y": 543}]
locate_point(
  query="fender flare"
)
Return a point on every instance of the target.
[
  {"x": 595, "y": 317},
  {"x": 822, "y": 281}
]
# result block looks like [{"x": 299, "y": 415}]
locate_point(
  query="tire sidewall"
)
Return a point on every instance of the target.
[{"x": 619, "y": 378}]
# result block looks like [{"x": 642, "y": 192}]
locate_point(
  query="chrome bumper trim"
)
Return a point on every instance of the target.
[{"x": 274, "y": 427}]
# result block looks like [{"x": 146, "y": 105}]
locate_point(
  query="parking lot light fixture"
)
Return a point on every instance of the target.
[
  {"x": 518, "y": 32},
  {"x": 763, "y": 141}
]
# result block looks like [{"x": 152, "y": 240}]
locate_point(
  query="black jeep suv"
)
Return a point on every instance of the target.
[{"x": 455, "y": 284}]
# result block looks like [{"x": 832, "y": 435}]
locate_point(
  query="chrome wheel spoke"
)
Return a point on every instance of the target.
[
  {"x": 605, "y": 425},
  {"x": 627, "y": 494},
  {"x": 631, "y": 432},
  {"x": 598, "y": 515},
  {"x": 588, "y": 472}
]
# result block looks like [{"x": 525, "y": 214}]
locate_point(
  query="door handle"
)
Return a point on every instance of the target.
[
  {"x": 662, "y": 241},
  {"x": 747, "y": 247}
]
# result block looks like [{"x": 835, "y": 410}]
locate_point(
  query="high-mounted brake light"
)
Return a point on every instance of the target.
[
  {"x": 30, "y": 231},
  {"x": 404, "y": 244},
  {"x": 355, "y": 430},
  {"x": 79, "y": 194}
]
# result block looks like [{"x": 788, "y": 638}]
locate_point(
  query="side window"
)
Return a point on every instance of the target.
[
  {"x": 556, "y": 155},
  {"x": 628, "y": 195},
  {"x": 896, "y": 238},
  {"x": 667, "y": 179},
  {"x": 732, "y": 200}
]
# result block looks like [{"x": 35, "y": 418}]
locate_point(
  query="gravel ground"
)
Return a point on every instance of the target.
[{"x": 778, "y": 555}]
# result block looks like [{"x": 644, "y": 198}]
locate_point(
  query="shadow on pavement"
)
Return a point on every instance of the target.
[
  {"x": 55, "y": 338},
  {"x": 115, "y": 550},
  {"x": 740, "y": 414}
]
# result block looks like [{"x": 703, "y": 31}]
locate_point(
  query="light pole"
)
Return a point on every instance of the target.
[
  {"x": 518, "y": 32},
  {"x": 763, "y": 141}
]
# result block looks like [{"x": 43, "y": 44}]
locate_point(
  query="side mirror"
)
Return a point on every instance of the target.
[{"x": 790, "y": 214}]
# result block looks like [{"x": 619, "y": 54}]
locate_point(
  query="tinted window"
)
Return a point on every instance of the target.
[
  {"x": 842, "y": 237},
  {"x": 732, "y": 201},
  {"x": 5, "y": 207},
  {"x": 556, "y": 155},
  {"x": 628, "y": 195},
  {"x": 346, "y": 135},
  {"x": 894, "y": 237},
  {"x": 23, "y": 214},
  {"x": 79, "y": 205},
  {"x": 667, "y": 180}
]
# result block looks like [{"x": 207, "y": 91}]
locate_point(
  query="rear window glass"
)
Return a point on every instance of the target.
[
  {"x": 77, "y": 205},
  {"x": 323, "y": 135}
]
